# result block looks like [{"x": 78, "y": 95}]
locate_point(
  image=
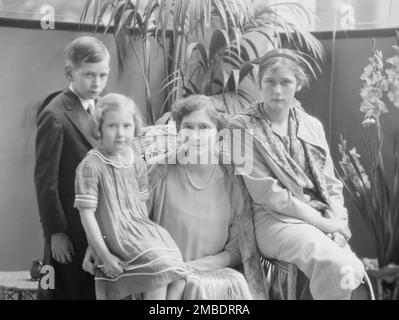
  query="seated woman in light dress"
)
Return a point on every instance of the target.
[
  {"x": 205, "y": 207},
  {"x": 299, "y": 212}
]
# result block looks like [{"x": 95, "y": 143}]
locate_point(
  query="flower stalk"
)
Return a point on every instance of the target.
[{"x": 373, "y": 193}]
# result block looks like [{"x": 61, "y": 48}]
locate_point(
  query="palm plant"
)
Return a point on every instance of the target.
[{"x": 208, "y": 46}]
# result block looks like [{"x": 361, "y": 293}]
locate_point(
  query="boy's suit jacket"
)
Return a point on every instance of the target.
[{"x": 62, "y": 141}]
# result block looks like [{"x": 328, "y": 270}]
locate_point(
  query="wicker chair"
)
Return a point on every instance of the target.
[
  {"x": 286, "y": 280},
  {"x": 282, "y": 277}
]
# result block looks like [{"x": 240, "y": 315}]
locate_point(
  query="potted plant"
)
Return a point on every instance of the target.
[
  {"x": 371, "y": 189},
  {"x": 207, "y": 45}
]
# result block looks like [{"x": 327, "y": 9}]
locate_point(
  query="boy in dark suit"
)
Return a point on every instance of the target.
[{"x": 62, "y": 141}]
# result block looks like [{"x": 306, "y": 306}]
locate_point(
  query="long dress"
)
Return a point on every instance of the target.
[
  {"x": 203, "y": 223},
  {"x": 118, "y": 192}
]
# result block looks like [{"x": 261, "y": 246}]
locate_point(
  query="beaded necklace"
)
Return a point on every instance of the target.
[{"x": 206, "y": 184}]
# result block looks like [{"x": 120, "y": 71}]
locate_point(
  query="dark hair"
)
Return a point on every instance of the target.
[
  {"x": 213, "y": 107},
  {"x": 114, "y": 102},
  {"x": 283, "y": 57},
  {"x": 85, "y": 49}
]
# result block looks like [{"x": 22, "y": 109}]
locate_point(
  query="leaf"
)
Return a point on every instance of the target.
[
  {"x": 103, "y": 10},
  {"x": 95, "y": 10},
  {"x": 222, "y": 13},
  {"x": 246, "y": 70},
  {"x": 232, "y": 62},
  {"x": 220, "y": 39},
  {"x": 264, "y": 33},
  {"x": 126, "y": 15},
  {"x": 234, "y": 80},
  {"x": 85, "y": 10},
  {"x": 151, "y": 6},
  {"x": 237, "y": 34},
  {"x": 169, "y": 96},
  {"x": 201, "y": 49},
  {"x": 251, "y": 45},
  {"x": 114, "y": 14}
]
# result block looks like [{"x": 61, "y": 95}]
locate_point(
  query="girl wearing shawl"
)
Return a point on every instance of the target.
[{"x": 299, "y": 212}]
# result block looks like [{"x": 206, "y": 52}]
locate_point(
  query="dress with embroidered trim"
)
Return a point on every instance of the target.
[{"x": 118, "y": 191}]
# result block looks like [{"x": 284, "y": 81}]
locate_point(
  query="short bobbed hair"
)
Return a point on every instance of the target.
[
  {"x": 213, "y": 107},
  {"x": 85, "y": 49},
  {"x": 283, "y": 58},
  {"x": 114, "y": 102}
]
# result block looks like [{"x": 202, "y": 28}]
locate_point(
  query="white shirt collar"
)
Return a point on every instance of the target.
[{"x": 86, "y": 103}]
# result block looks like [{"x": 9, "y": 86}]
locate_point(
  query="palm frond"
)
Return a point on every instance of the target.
[
  {"x": 220, "y": 40},
  {"x": 224, "y": 23}
]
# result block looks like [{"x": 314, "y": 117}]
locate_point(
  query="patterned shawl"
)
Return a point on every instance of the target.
[{"x": 286, "y": 163}]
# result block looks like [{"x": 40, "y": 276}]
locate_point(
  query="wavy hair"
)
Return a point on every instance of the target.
[{"x": 114, "y": 102}]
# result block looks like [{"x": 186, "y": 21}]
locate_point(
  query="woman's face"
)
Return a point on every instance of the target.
[
  {"x": 279, "y": 85},
  {"x": 200, "y": 132}
]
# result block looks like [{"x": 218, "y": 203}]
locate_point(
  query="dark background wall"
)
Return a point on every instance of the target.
[
  {"x": 340, "y": 110},
  {"x": 31, "y": 66}
]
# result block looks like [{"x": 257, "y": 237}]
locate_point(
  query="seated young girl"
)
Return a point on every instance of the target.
[{"x": 135, "y": 254}]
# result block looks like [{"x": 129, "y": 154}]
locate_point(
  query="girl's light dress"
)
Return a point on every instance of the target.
[{"x": 118, "y": 192}]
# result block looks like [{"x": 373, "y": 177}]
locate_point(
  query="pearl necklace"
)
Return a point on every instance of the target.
[{"x": 206, "y": 184}]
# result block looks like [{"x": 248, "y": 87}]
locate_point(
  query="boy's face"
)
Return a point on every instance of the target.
[{"x": 89, "y": 79}]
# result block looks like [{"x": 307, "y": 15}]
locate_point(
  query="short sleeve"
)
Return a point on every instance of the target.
[{"x": 86, "y": 185}]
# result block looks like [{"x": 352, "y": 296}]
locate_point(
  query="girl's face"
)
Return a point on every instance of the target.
[
  {"x": 117, "y": 130},
  {"x": 199, "y": 131},
  {"x": 279, "y": 86}
]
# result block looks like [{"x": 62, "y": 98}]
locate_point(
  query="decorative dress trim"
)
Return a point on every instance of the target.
[
  {"x": 122, "y": 163},
  {"x": 144, "y": 252},
  {"x": 140, "y": 274},
  {"x": 85, "y": 200},
  {"x": 138, "y": 266}
]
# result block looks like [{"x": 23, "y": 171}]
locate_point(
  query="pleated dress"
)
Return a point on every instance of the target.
[{"x": 118, "y": 192}]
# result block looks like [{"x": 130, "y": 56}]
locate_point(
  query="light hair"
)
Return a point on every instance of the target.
[
  {"x": 85, "y": 49},
  {"x": 283, "y": 58},
  {"x": 114, "y": 102}
]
